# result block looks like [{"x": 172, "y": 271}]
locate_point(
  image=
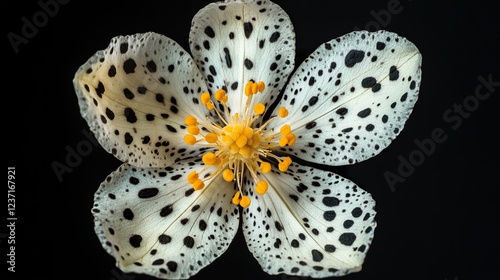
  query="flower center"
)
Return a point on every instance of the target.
[{"x": 238, "y": 145}]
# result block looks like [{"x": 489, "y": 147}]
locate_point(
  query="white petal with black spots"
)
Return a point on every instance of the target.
[
  {"x": 310, "y": 223},
  {"x": 135, "y": 95},
  {"x": 351, "y": 97},
  {"x": 152, "y": 221},
  {"x": 238, "y": 42}
]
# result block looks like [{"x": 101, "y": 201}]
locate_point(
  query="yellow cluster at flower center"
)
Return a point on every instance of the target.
[{"x": 238, "y": 145}]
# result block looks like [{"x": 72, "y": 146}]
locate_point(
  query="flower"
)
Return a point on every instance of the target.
[{"x": 213, "y": 137}]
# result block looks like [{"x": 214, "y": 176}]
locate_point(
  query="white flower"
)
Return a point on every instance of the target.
[{"x": 209, "y": 138}]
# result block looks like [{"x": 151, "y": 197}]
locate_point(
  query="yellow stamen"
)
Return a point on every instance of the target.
[
  {"x": 198, "y": 185},
  {"x": 189, "y": 139},
  {"x": 241, "y": 141},
  {"x": 190, "y": 120},
  {"x": 291, "y": 139},
  {"x": 261, "y": 187},
  {"x": 286, "y": 129},
  {"x": 193, "y": 129},
  {"x": 245, "y": 152},
  {"x": 283, "y": 166},
  {"x": 210, "y": 159},
  {"x": 255, "y": 88},
  {"x": 192, "y": 177},
  {"x": 237, "y": 131},
  {"x": 245, "y": 201},
  {"x": 265, "y": 167},
  {"x": 227, "y": 141},
  {"x": 239, "y": 145},
  {"x": 211, "y": 138},
  {"x": 248, "y": 89},
  {"x": 236, "y": 198},
  {"x": 205, "y": 98},
  {"x": 261, "y": 86},
  {"x": 283, "y": 112},
  {"x": 210, "y": 106},
  {"x": 228, "y": 175},
  {"x": 259, "y": 108},
  {"x": 220, "y": 94},
  {"x": 283, "y": 141},
  {"x": 248, "y": 132}
]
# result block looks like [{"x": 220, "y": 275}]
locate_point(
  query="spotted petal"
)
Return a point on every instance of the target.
[
  {"x": 234, "y": 42},
  {"x": 352, "y": 97},
  {"x": 135, "y": 95},
  {"x": 153, "y": 222},
  {"x": 310, "y": 223}
]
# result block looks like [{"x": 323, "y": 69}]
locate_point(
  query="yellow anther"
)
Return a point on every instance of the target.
[
  {"x": 210, "y": 106},
  {"x": 283, "y": 166},
  {"x": 211, "y": 138},
  {"x": 227, "y": 140},
  {"x": 261, "y": 86},
  {"x": 241, "y": 141},
  {"x": 205, "y": 98},
  {"x": 190, "y": 120},
  {"x": 220, "y": 94},
  {"x": 234, "y": 148},
  {"x": 193, "y": 129},
  {"x": 192, "y": 177},
  {"x": 283, "y": 112},
  {"x": 210, "y": 159},
  {"x": 255, "y": 88},
  {"x": 291, "y": 139},
  {"x": 261, "y": 187},
  {"x": 198, "y": 185},
  {"x": 236, "y": 132},
  {"x": 245, "y": 152},
  {"x": 286, "y": 129},
  {"x": 248, "y": 132},
  {"x": 287, "y": 160},
  {"x": 236, "y": 198},
  {"x": 245, "y": 201},
  {"x": 228, "y": 128},
  {"x": 190, "y": 139},
  {"x": 248, "y": 88},
  {"x": 259, "y": 108},
  {"x": 228, "y": 175},
  {"x": 283, "y": 141},
  {"x": 265, "y": 167}
]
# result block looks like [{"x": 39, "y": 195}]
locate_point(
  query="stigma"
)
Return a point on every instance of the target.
[{"x": 237, "y": 145}]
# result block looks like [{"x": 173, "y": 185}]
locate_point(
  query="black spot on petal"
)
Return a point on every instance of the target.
[
  {"x": 148, "y": 192},
  {"x": 347, "y": 238},
  {"x": 353, "y": 57},
  {"x": 317, "y": 255},
  {"x": 248, "y": 28},
  {"x": 364, "y": 113},
  {"x": 135, "y": 241},
  {"x": 129, "y": 66},
  {"x": 209, "y": 32},
  {"x": 151, "y": 65},
  {"x": 188, "y": 241}
]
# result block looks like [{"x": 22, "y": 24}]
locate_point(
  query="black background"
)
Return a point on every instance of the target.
[{"x": 442, "y": 222}]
